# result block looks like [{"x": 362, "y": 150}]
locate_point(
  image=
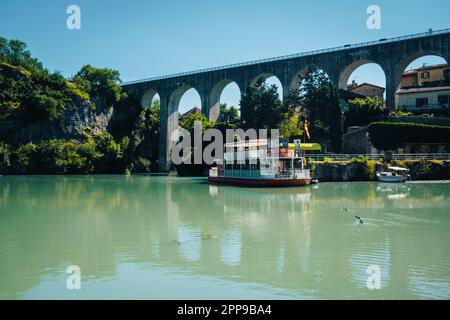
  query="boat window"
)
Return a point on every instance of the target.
[{"x": 298, "y": 163}]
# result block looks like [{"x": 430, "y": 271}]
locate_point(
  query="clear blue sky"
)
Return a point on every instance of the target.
[{"x": 157, "y": 37}]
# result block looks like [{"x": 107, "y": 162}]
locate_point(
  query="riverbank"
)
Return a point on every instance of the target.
[{"x": 365, "y": 170}]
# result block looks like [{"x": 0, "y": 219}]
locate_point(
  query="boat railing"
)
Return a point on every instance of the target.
[{"x": 293, "y": 173}]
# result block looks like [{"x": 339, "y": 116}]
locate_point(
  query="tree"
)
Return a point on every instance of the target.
[
  {"x": 361, "y": 111},
  {"x": 261, "y": 107},
  {"x": 111, "y": 159},
  {"x": 321, "y": 102},
  {"x": 291, "y": 124},
  {"x": 188, "y": 123},
  {"x": 229, "y": 116},
  {"x": 145, "y": 140},
  {"x": 15, "y": 52},
  {"x": 100, "y": 82}
]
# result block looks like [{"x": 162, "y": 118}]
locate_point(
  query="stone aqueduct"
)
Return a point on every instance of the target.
[{"x": 392, "y": 55}]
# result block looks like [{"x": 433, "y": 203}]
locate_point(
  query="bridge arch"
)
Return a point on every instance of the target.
[
  {"x": 217, "y": 93},
  {"x": 348, "y": 70},
  {"x": 177, "y": 97},
  {"x": 409, "y": 59},
  {"x": 270, "y": 79},
  {"x": 364, "y": 71},
  {"x": 170, "y": 121},
  {"x": 148, "y": 97},
  {"x": 403, "y": 79},
  {"x": 295, "y": 82}
]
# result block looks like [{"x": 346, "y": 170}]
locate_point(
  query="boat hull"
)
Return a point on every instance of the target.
[
  {"x": 391, "y": 179},
  {"x": 261, "y": 182}
]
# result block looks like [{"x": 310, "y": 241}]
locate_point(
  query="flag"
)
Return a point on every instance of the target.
[{"x": 305, "y": 127}]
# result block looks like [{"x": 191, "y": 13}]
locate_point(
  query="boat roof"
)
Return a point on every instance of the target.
[
  {"x": 306, "y": 146},
  {"x": 397, "y": 169},
  {"x": 247, "y": 143}
]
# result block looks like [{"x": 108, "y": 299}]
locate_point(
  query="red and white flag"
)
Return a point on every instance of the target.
[{"x": 305, "y": 127}]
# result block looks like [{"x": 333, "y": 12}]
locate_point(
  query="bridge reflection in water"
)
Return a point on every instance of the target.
[{"x": 162, "y": 237}]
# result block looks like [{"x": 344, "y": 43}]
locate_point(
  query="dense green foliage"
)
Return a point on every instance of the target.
[
  {"x": 261, "y": 108},
  {"x": 398, "y": 112},
  {"x": 229, "y": 118},
  {"x": 35, "y": 103},
  {"x": 361, "y": 112},
  {"x": 425, "y": 169},
  {"x": 30, "y": 94},
  {"x": 100, "y": 154},
  {"x": 364, "y": 169},
  {"x": 188, "y": 123},
  {"x": 5, "y": 153},
  {"x": 321, "y": 101},
  {"x": 390, "y": 136},
  {"x": 144, "y": 144},
  {"x": 102, "y": 83}
]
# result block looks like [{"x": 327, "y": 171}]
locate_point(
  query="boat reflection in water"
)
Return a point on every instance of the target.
[{"x": 175, "y": 238}]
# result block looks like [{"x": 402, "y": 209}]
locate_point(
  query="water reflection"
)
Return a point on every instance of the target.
[{"x": 249, "y": 243}]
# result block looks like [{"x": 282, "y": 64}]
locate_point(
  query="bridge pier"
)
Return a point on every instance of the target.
[
  {"x": 168, "y": 123},
  {"x": 163, "y": 165},
  {"x": 393, "y": 71},
  {"x": 210, "y": 105}
]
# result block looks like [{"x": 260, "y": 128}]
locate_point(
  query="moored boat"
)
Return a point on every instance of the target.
[
  {"x": 252, "y": 163},
  {"x": 393, "y": 175}
]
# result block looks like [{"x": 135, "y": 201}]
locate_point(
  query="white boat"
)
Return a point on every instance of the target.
[
  {"x": 251, "y": 163},
  {"x": 393, "y": 175}
]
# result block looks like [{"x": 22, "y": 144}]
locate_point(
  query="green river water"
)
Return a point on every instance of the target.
[{"x": 147, "y": 237}]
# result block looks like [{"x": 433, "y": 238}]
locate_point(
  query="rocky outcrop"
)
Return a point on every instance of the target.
[
  {"x": 343, "y": 171},
  {"x": 78, "y": 117},
  {"x": 427, "y": 170}
]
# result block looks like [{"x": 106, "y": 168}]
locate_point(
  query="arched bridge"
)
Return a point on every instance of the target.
[{"x": 393, "y": 55}]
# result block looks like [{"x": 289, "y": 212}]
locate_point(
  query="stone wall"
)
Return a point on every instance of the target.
[
  {"x": 357, "y": 142},
  {"x": 344, "y": 171}
]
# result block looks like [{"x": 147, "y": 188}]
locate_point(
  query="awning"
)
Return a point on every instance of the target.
[{"x": 307, "y": 146}]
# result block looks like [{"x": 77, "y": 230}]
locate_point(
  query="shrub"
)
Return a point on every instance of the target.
[
  {"x": 54, "y": 157},
  {"x": 111, "y": 154},
  {"x": 141, "y": 165},
  {"x": 424, "y": 169},
  {"x": 398, "y": 112},
  {"x": 360, "y": 112},
  {"x": 364, "y": 169},
  {"x": 390, "y": 136},
  {"x": 5, "y": 153},
  {"x": 26, "y": 156}
]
